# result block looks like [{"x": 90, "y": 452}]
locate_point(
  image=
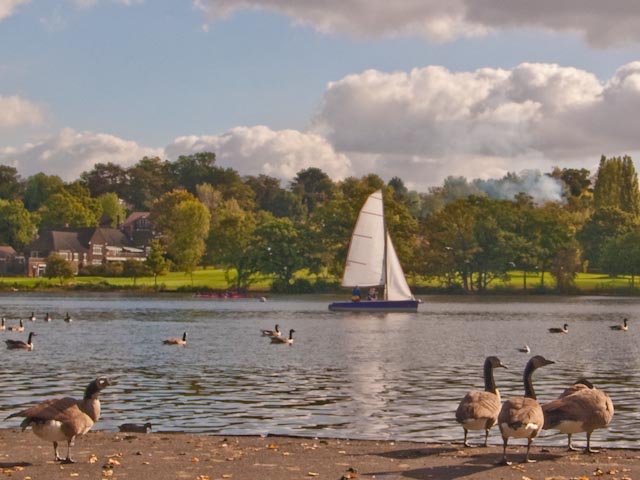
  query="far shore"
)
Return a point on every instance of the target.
[{"x": 170, "y": 456}]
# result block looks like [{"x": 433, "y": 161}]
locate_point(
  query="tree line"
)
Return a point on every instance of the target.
[{"x": 457, "y": 233}]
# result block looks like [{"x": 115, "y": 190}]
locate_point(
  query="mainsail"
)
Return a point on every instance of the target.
[{"x": 372, "y": 260}]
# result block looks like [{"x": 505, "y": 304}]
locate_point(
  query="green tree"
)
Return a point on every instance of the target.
[
  {"x": 11, "y": 187},
  {"x": 313, "y": 187},
  {"x": 134, "y": 269},
  {"x": 616, "y": 185},
  {"x": 17, "y": 224},
  {"x": 64, "y": 209},
  {"x": 191, "y": 170},
  {"x": 621, "y": 255},
  {"x": 58, "y": 267},
  {"x": 148, "y": 179},
  {"x": 39, "y": 188},
  {"x": 105, "y": 178},
  {"x": 156, "y": 263},
  {"x": 112, "y": 208}
]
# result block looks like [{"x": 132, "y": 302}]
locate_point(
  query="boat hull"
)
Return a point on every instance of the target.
[{"x": 375, "y": 306}]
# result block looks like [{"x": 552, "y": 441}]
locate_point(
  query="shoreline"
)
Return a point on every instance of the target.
[{"x": 170, "y": 456}]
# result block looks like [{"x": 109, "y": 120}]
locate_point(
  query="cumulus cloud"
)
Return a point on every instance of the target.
[
  {"x": 600, "y": 23},
  {"x": 69, "y": 153},
  {"x": 16, "y": 111},
  {"x": 8, "y": 7},
  {"x": 260, "y": 150},
  {"x": 480, "y": 124}
]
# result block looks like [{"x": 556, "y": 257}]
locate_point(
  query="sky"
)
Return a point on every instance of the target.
[{"x": 416, "y": 89}]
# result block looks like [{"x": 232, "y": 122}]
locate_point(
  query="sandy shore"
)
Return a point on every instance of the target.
[{"x": 160, "y": 456}]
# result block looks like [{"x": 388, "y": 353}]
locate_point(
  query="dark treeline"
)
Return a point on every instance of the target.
[{"x": 464, "y": 233}]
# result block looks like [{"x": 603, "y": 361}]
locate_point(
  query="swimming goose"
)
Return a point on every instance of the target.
[
  {"x": 564, "y": 329},
  {"x": 272, "y": 333},
  {"x": 3, "y": 325},
  {"x": 623, "y": 327},
  {"x": 580, "y": 408},
  {"x": 67, "y": 318},
  {"x": 522, "y": 417},
  {"x": 478, "y": 410},
  {"x": 32, "y": 317},
  {"x": 176, "y": 341},
  {"x": 47, "y": 317},
  {"x": 17, "y": 328},
  {"x": 64, "y": 419},
  {"x": 283, "y": 339},
  {"x": 19, "y": 344},
  {"x": 135, "y": 427}
]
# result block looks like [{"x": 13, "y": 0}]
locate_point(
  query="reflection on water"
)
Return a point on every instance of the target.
[{"x": 396, "y": 376}]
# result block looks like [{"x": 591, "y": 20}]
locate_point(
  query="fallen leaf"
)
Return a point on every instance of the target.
[
  {"x": 93, "y": 458},
  {"x": 313, "y": 474},
  {"x": 272, "y": 446},
  {"x": 195, "y": 459},
  {"x": 227, "y": 475}
]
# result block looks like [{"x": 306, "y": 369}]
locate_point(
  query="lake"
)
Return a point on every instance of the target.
[{"x": 369, "y": 376}]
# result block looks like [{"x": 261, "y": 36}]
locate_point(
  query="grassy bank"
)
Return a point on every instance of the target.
[{"x": 211, "y": 279}]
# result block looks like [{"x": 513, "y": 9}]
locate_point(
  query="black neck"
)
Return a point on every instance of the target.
[
  {"x": 30, "y": 337},
  {"x": 91, "y": 391},
  {"x": 489, "y": 382},
  {"x": 529, "y": 392}
]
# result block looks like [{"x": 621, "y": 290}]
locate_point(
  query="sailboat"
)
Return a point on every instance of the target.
[{"x": 372, "y": 262}]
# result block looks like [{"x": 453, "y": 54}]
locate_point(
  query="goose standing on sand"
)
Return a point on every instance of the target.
[
  {"x": 564, "y": 329},
  {"x": 17, "y": 328},
  {"x": 580, "y": 408},
  {"x": 64, "y": 419},
  {"x": 176, "y": 341},
  {"x": 272, "y": 333},
  {"x": 624, "y": 327},
  {"x": 20, "y": 344},
  {"x": 288, "y": 340},
  {"x": 522, "y": 417},
  {"x": 478, "y": 410}
]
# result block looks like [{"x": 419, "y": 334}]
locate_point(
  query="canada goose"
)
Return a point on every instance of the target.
[
  {"x": 623, "y": 327},
  {"x": 67, "y": 318},
  {"x": 176, "y": 341},
  {"x": 3, "y": 325},
  {"x": 524, "y": 349},
  {"x": 32, "y": 317},
  {"x": 21, "y": 345},
  {"x": 522, "y": 417},
  {"x": 17, "y": 328},
  {"x": 564, "y": 329},
  {"x": 135, "y": 427},
  {"x": 478, "y": 410},
  {"x": 61, "y": 419},
  {"x": 284, "y": 339},
  {"x": 47, "y": 317},
  {"x": 272, "y": 333},
  {"x": 580, "y": 408}
]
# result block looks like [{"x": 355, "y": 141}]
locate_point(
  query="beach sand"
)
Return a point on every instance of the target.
[{"x": 171, "y": 456}]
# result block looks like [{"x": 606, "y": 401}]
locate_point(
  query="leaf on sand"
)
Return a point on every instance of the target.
[{"x": 93, "y": 458}]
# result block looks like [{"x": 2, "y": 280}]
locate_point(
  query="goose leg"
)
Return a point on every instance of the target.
[
  {"x": 55, "y": 452},
  {"x": 466, "y": 444},
  {"x": 486, "y": 437},
  {"x": 526, "y": 458},
  {"x": 504, "y": 460},
  {"x": 589, "y": 449},
  {"x": 570, "y": 447},
  {"x": 69, "y": 459}
]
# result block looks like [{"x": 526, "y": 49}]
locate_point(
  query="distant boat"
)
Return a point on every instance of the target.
[{"x": 372, "y": 262}]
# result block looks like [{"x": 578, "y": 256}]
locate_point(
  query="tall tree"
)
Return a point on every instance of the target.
[
  {"x": 112, "y": 208},
  {"x": 11, "y": 187},
  {"x": 64, "y": 209},
  {"x": 191, "y": 170},
  {"x": 39, "y": 188},
  {"x": 17, "y": 224},
  {"x": 105, "y": 178},
  {"x": 616, "y": 185},
  {"x": 156, "y": 263},
  {"x": 147, "y": 180},
  {"x": 313, "y": 186}
]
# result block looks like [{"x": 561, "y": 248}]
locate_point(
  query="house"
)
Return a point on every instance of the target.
[
  {"x": 10, "y": 261},
  {"x": 139, "y": 229},
  {"x": 82, "y": 247}
]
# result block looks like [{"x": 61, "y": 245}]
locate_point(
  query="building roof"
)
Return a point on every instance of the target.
[
  {"x": 6, "y": 250},
  {"x": 136, "y": 216}
]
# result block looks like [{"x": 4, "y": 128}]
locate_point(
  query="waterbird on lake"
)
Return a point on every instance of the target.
[
  {"x": 20, "y": 344},
  {"x": 623, "y": 327},
  {"x": 580, "y": 408},
  {"x": 16, "y": 328},
  {"x": 272, "y": 333},
  {"x": 479, "y": 409},
  {"x": 564, "y": 329},
  {"x": 67, "y": 318},
  {"x": 281, "y": 339},
  {"x": 32, "y": 317},
  {"x": 524, "y": 349},
  {"x": 522, "y": 417},
  {"x": 176, "y": 341},
  {"x": 64, "y": 419},
  {"x": 3, "y": 324},
  {"x": 47, "y": 317},
  {"x": 135, "y": 427}
]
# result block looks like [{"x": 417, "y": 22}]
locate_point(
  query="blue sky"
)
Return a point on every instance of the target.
[{"x": 416, "y": 89}]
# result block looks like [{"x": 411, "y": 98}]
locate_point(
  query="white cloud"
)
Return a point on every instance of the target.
[
  {"x": 8, "y": 7},
  {"x": 260, "y": 150},
  {"x": 69, "y": 153},
  {"x": 600, "y": 23},
  {"x": 429, "y": 123},
  {"x": 16, "y": 111}
]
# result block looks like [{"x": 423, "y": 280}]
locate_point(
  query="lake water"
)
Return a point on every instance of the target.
[{"x": 372, "y": 376}]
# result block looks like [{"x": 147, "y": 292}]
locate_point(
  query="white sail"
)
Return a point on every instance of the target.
[
  {"x": 365, "y": 260},
  {"x": 397, "y": 287}
]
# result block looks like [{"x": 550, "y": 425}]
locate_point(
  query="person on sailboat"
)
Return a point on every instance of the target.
[
  {"x": 355, "y": 294},
  {"x": 373, "y": 294}
]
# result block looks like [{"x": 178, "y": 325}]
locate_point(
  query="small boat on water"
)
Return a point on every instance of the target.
[{"x": 372, "y": 262}]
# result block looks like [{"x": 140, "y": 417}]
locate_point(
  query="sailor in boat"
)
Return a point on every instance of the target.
[
  {"x": 373, "y": 294},
  {"x": 355, "y": 294}
]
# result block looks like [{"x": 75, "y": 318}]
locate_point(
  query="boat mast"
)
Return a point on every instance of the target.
[{"x": 384, "y": 260}]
